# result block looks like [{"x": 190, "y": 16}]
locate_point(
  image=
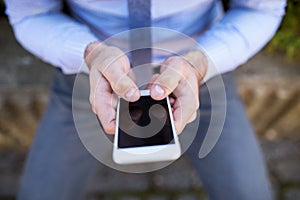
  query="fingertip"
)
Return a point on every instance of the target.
[
  {"x": 172, "y": 100},
  {"x": 157, "y": 92},
  {"x": 177, "y": 122},
  {"x": 132, "y": 95},
  {"x": 110, "y": 131},
  {"x": 110, "y": 128},
  {"x": 178, "y": 129},
  {"x": 136, "y": 96}
]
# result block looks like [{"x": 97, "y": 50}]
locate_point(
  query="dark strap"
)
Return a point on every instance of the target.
[{"x": 139, "y": 17}]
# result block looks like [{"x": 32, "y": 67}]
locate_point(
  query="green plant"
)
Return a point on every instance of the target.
[{"x": 287, "y": 39}]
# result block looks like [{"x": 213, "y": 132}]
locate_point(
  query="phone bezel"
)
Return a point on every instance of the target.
[{"x": 144, "y": 154}]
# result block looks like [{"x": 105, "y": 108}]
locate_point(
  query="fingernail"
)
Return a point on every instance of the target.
[
  {"x": 131, "y": 94},
  {"x": 159, "y": 91}
]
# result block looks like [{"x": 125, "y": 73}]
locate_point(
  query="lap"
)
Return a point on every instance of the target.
[
  {"x": 58, "y": 164},
  {"x": 234, "y": 169}
]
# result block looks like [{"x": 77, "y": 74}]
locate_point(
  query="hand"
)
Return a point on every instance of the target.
[
  {"x": 180, "y": 76},
  {"x": 109, "y": 73}
]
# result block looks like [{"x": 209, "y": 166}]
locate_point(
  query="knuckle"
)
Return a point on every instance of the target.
[
  {"x": 191, "y": 107},
  {"x": 173, "y": 59},
  {"x": 106, "y": 129},
  {"x": 168, "y": 81},
  {"x": 192, "y": 118},
  {"x": 109, "y": 65},
  {"x": 97, "y": 110},
  {"x": 179, "y": 61},
  {"x": 91, "y": 99},
  {"x": 197, "y": 104},
  {"x": 180, "y": 129},
  {"x": 103, "y": 64},
  {"x": 121, "y": 85},
  {"x": 170, "y": 62},
  {"x": 108, "y": 70}
]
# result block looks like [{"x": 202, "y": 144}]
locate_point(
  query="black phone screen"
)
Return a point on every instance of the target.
[{"x": 139, "y": 115}]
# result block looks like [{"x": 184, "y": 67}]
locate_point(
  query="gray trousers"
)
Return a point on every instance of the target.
[{"x": 58, "y": 166}]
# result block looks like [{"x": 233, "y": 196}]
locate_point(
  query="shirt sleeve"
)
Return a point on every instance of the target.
[
  {"x": 243, "y": 31},
  {"x": 42, "y": 29}
]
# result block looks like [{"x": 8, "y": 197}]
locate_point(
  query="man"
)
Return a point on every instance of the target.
[{"x": 234, "y": 169}]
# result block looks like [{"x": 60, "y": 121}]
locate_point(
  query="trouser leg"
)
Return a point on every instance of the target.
[
  {"x": 235, "y": 168},
  {"x": 58, "y": 165}
]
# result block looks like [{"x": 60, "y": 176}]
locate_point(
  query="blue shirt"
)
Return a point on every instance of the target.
[{"x": 227, "y": 39}]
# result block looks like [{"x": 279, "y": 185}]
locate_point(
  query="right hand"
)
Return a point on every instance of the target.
[{"x": 109, "y": 73}]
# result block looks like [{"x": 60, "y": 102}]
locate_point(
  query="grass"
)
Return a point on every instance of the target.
[{"x": 287, "y": 39}]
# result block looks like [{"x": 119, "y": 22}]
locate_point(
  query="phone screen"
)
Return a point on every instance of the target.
[{"x": 139, "y": 115}]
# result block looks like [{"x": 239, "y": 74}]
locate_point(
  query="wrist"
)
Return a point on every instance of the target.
[{"x": 198, "y": 61}]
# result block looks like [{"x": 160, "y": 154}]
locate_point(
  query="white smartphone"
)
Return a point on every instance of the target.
[{"x": 145, "y": 131}]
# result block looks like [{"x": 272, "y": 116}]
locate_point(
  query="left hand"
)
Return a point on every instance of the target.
[{"x": 181, "y": 76}]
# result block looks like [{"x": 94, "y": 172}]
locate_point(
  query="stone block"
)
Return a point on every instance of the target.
[
  {"x": 109, "y": 180},
  {"x": 178, "y": 175},
  {"x": 292, "y": 194}
]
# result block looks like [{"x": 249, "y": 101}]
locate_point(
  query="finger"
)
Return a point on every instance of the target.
[
  {"x": 115, "y": 67},
  {"x": 103, "y": 101},
  {"x": 184, "y": 110},
  {"x": 151, "y": 81},
  {"x": 192, "y": 118},
  {"x": 173, "y": 71},
  {"x": 165, "y": 84},
  {"x": 94, "y": 79},
  {"x": 172, "y": 101},
  {"x": 131, "y": 75},
  {"x": 121, "y": 83},
  {"x": 105, "y": 108},
  {"x": 107, "y": 117}
]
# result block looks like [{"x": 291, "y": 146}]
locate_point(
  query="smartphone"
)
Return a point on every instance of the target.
[{"x": 145, "y": 131}]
